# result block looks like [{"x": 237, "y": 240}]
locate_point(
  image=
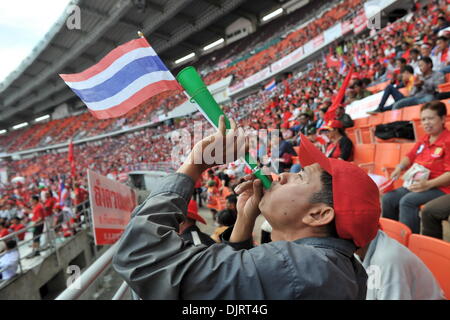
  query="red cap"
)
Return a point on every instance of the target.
[
  {"x": 356, "y": 197},
  {"x": 332, "y": 124},
  {"x": 192, "y": 212}
]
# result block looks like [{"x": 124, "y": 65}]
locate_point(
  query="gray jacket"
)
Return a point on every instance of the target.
[{"x": 158, "y": 264}]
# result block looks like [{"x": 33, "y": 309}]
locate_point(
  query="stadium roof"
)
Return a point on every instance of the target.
[{"x": 173, "y": 27}]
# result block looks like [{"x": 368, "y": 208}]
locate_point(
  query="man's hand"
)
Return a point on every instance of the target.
[
  {"x": 249, "y": 193},
  {"x": 222, "y": 147}
]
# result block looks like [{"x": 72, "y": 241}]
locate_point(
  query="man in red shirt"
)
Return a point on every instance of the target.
[
  {"x": 16, "y": 226},
  {"x": 38, "y": 222},
  {"x": 49, "y": 204}
]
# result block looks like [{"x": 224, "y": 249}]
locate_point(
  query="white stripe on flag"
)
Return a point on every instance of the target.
[
  {"x": 115, "y": 67},
  {"x": 130, "y": 90}
]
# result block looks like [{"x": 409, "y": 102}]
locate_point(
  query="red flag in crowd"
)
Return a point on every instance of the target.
[
  {"x": 333, "y": 62},
  {"x": 71, "y": 159},
  {"x": 337, "y": 101},
  {"x": 287, "y": 90}
]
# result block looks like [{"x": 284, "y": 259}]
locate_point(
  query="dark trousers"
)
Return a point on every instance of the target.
[
  {"x": 389, "y": 91},
  {"x": 403, "y": 205},
  {"x": 433, "y": 214},
  {"x": 198, "y": 196}
]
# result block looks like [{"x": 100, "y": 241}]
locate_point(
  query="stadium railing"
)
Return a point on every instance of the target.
[{"x": 50, "y": 235}]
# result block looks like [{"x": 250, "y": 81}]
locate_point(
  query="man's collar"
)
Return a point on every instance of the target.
[{"x": 346, "y": 247}]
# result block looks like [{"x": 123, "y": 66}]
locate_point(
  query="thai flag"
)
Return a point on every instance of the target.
[
  {"x": 125, "y": 78},
  {"x": 63, "y": 193},
  {"x": 270, "y": 86},
  {"x": 343, "y": 67}
]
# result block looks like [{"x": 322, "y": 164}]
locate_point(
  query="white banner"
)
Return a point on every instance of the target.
[
  {"x": 111, "y": 206},
  {"x": 359, "y": 109}
]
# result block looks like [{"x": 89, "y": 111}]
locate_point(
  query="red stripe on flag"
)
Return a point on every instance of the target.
[
  {"x": 337, "y": 102},
  {"x": 136, "y": 99},
  {"x": 106, "y": 61}
]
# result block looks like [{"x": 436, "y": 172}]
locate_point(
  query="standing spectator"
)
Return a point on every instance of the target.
[
  {"x": 9, "y": 261},
  {"x": 38, "y": 222},
  {"x": 425, "y": 86},
  {"x": 433, "y": 152}
]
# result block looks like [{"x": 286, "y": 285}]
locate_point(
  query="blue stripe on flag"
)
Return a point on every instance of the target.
[{"x": 122, "y": 79}]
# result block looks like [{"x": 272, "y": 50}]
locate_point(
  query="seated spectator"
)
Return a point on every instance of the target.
[
  {"x": 3, "y": 230},
  {"x": 304, "y": 120},
  {"x": 9, "y": 261},
  {"x": 320, "y": 119},
  {"x": 392, "y": 90},
  {"x": 343, "y": 117},
  {"x": 340, "y": 146},
  {"x": 433, "y": 214},
  {"x": 15, "y": 226},
  {"x": 432, "y": 152},
  {"x": 395, "y": 273},
  {"x": 360, "y": 91},
  {"x": 425, "y": 86},
  {"x": 442, "y": 24},
  {"x": 189, "y": 230},
  {"x": 379, "y": 73},
  {"x": 282, "y": 154},
  {"x": 414, "y": 58},
  {"x": 441, "y": 56},
  {"x": 225, "y": 218}
]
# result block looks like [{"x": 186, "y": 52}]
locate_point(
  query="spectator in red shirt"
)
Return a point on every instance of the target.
[
  {"x": 3, "y": 230},
  {"x": 433, "y": 152},
  {"x": 49, "y": 203},
  {"x": 15, "y": 226},
  {"x": 37, "y": 219}
]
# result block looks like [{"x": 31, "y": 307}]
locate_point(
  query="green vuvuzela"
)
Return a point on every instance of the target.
[{"x": 191, "y": 81}]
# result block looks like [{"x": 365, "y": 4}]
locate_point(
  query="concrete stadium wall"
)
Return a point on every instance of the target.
[{"x": 49, "y": 278}]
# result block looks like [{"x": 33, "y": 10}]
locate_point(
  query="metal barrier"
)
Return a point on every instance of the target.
[{"x": 79, "y": 286}]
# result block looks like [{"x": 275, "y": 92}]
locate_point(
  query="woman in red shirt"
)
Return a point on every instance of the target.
[
  {"x": 431, "y": 151},
  {"x": 340, "y": 146}
]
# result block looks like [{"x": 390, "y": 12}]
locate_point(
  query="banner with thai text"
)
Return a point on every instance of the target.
[{"x": 111, "y": 205}]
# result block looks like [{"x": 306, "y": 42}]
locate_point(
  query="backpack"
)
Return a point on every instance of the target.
[{"x": 397, "y": 129}]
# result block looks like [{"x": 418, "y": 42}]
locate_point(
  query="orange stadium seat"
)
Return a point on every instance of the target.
[
  {"x": 387, "y": 155},
  {"x": 435, "y": 254},
  {"x": 367, "y": 131},
  {"x": 396, "y": 230},
  {"x": 364, "y": 153},
  {"x": 411, "y": 113}
]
